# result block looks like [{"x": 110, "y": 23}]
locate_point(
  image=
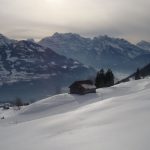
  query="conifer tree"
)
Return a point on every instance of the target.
[
  {"x": 100, "y": 79},
  {"x": 104, "y": 79},
  {"x": 109, "y": 78},
  {"x": 97, "y": 80},
  {"x": 137, "y": 74}
]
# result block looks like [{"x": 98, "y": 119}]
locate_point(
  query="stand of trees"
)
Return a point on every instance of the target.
[{"x": 104, "y": 79}]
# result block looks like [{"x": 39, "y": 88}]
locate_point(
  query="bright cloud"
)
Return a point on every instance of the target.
[{"x": 38, "y": 18}]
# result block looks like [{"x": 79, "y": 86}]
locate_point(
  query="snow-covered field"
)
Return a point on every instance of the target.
[{"x": 115, "y": 118}]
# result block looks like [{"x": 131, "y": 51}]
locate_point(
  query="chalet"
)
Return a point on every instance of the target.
[{"x": 82, "y": 87}]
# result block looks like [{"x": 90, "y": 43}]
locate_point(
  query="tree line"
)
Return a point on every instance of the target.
[{"x": 104, "y": 79}]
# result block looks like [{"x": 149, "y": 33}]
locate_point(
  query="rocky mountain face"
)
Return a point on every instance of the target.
[
  {"x": 28, "y": 66},
  {"x": 102, "y": 51},
  {"x": 144, "y": 45},
  {"x": 4, "y": 41}
]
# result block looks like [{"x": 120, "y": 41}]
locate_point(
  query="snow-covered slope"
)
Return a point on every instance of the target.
[
  {"x": 115, "y": 118},
  {"x": 142, "y": 73}
]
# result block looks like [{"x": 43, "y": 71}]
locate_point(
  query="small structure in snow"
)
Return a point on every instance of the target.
[
  {"x": 82, "y": 87},
  {"x": 6, "y": 106},
  {"x": 2, "y": 118}
]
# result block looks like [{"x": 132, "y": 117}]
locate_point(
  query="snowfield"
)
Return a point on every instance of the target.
[{"x": 115, "y": 118}]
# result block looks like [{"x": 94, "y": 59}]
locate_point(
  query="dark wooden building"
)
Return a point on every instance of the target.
[{"x": 82, "y": 87}]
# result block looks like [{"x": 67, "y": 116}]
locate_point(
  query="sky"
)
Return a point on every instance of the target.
[{"x": 22, "y": 19}]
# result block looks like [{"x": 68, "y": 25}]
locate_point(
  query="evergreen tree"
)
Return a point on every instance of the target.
[
  {"x": 100, "y": 79},
  {"x": 109, "y": 78},
  {"x": 104, "y": 79},
  {"x": 137, "y": 74},
  {"x": 97, "y": 80}
]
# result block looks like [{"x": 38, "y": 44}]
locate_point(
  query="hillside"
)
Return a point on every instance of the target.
[
  {"x": 143, "y": 72},
  {"x": 114, "y": 118}
]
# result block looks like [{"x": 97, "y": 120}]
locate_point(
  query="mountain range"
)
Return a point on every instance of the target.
[
  {"x": 108, "y": 52},
  {"x": 24, "y": 64},
  {"x": 56, "y": 61},
  {"x": 144, "y": 45}
]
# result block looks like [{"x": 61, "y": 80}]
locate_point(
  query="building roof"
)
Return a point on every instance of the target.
[{"x": 87, "y": 84}]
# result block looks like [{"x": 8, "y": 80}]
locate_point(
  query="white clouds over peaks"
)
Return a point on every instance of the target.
[{"x": 38, "y": 18}]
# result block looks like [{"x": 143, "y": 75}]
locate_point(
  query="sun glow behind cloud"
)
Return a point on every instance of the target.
[{"x": 39, "y": 18}]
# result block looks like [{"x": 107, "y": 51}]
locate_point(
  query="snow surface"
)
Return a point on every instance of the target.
[{"x": 115, "y": 118}]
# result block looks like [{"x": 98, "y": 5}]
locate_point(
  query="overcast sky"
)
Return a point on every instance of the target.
[{"x": 128, "y": 19}]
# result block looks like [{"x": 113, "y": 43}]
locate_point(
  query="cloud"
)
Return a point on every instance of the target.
[{"x": 38, "y": 18}]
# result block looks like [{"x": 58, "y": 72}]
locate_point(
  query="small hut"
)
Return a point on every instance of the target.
[{"x": 82, "y": 87}]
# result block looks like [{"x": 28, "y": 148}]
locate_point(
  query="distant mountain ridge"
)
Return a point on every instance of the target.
[
  {"x": 108, "y": 52},
  {"x": 144, "y": 45},
  {"x": 27, "y": 64},
  {"x": 56, "y": 61},
  {"x": 4, "y": 41}
]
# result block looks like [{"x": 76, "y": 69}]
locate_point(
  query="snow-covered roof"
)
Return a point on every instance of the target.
[
  {"x": 85, "y": 83},
  {"x": 88, "y": 86}
]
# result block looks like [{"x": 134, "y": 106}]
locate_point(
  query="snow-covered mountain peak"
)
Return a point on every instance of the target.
[
  {"x": 103, "y": 37},
  {"x": 23, "y": 62},
  {"x": 4, "y": 40},
  {"x": 31, "y": 40},
  {"x": 107, "y": 52},
  {"x": 144, "y": 44},
  {"x": 65, "y": 35},
  {"x": 28, "y": 43},
  {"x": 1, "y": 35}
]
